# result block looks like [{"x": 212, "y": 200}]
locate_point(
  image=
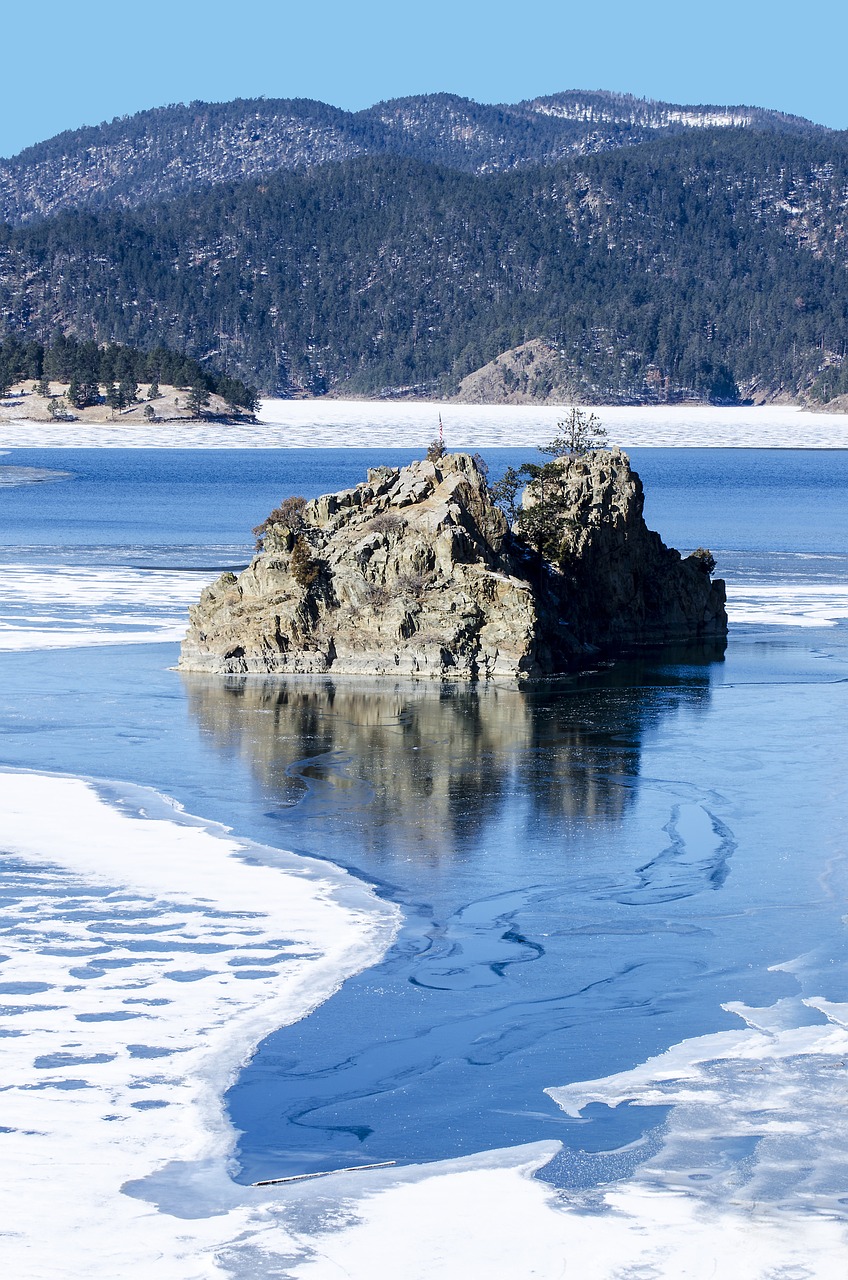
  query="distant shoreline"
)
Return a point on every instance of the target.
[{"x": 169, "y": 406}]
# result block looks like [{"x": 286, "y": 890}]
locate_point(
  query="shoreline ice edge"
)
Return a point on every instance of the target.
[
  {"x": 209, "y": 901},
  {"x": 184, "y": 1218}
]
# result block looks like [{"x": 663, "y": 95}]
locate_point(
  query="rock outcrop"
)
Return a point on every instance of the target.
[
  {"x": 416, "y": 572},
  {"x": 533, "y": 373},
  {"x": 620, "y": 587}
]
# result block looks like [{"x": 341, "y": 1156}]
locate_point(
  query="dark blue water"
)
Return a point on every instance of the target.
[
  {"x": 738, "y": 499},
  {"x": 588, "y": 870}
]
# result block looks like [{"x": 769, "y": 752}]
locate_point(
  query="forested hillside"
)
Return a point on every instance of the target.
[
  {"x": 170, "y": 150},
  {"x": 693, "y": 264}
]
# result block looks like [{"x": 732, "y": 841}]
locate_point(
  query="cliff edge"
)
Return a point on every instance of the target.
[{"x": 416, "y": 572}]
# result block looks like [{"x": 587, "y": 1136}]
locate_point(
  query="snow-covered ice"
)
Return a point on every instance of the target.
[
  {"x": 62, "y": 606},
  {"x": 144, "y": 957},
  {"x": 360, "y": 424},
  {"x": 773, "y": 604}
]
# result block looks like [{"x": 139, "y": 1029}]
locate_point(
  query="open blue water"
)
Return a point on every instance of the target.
[{"x": 588, "y": 870}]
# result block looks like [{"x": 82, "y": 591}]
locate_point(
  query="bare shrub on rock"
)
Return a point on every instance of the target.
[
  {"x": 376, "y": 595},
  {"x": 385, "y": 522},
  {"x": 412, "y": 584},
  {"x": 289, "y": 514},
  {"x": 304, "y": 567}
]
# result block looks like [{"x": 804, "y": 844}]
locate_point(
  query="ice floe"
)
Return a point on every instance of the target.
[{"x": 774, "y": 604}]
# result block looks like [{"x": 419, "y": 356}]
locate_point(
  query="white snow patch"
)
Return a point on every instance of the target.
[{"x": 61, "y": 606}]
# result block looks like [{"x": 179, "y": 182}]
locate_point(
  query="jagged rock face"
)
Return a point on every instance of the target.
[
  {"x": 412, "y": 581},
  {"x": 416, "y": 573},
  {"x": 620, "y": 585}
]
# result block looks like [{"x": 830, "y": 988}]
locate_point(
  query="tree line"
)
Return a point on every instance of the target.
[{"x": 88, "y": 365}]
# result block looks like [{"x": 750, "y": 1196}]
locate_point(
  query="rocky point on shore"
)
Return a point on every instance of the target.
[{"x": 416, "y": 572}]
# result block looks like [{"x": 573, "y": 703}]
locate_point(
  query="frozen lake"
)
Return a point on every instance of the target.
[
  {"x": 364, "y": 424},
  {"x": 593, "y": 931}
]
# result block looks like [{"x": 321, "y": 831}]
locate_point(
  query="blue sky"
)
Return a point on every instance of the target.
[{"x": 70, "y": 63}]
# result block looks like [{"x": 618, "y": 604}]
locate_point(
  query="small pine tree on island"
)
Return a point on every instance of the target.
[
  {"x": 540, "y": 521},
  {"x": 436, "y": 448},
  {"x": 578, "y": 433}
]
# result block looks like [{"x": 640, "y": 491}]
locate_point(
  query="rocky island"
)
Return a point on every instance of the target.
[{"x": 417, "y": 572}]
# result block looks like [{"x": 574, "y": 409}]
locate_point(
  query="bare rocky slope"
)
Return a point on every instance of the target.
[
  {"x": 532, "y": 373},
  {"x": 416, "y": 572}
]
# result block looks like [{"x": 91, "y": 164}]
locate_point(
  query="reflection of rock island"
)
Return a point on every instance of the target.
[
  {"x": 416, "y": 572},
  {"x": 419, "y": 769}
]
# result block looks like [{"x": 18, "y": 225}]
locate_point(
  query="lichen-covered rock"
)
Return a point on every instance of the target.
[{"x": 415, "y": 572}]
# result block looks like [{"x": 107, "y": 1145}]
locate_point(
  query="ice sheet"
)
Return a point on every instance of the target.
[
  {"x": 146, "y": 953},
  {"x": 60, "y": 606},
  {"x": 746, "y": 1179},
  {"x": 787, "y": 606},
  {"x": 299, "y": 424},
  {"x": 143, "y": 959}
]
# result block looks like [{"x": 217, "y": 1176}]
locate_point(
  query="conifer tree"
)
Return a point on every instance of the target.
[
  {"x": 198, "y": 400},
  {"x": 129, "y": 389}
]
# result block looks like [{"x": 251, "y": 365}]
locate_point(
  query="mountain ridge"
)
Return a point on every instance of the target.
[
  {"x": 167, "y": 151},
  {"x": 674, "y": 270},
  {"x": 706, "y": 261}
]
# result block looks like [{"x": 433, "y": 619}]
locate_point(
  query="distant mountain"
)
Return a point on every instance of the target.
[
  {"x": 166, "y": 152},
  {"x": 702, "y": 262}
]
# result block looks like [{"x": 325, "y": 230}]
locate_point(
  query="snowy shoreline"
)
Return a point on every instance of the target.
[{"x": 361, "y": 424}]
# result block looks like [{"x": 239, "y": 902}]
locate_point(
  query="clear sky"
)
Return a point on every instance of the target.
[{"x": 71, "y": 62}]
